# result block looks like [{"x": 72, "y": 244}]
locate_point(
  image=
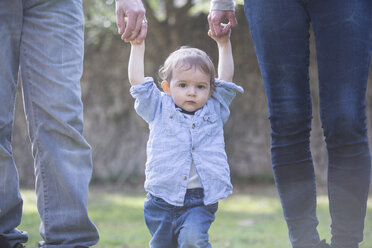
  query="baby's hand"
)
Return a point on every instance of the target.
[
  {"x": 136, "y": 42},
  {"x": 222, "y": 39}
]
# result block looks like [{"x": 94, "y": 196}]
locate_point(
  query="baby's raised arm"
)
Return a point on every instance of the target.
[
  {"x": 136, "y": 71},
  {"x": 225, "y": 57},
  {"x": 136, "y": 67}
]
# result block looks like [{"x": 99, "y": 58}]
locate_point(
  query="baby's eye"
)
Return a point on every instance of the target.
[
  {"x": 182, "y": 85},
  {"x": 201, "y": 87}
]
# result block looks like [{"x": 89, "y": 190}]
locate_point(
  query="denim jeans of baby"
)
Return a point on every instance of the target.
[
  {"x": 179, "y": 227},
  {"x": 44, "y": 41},
  {"x": 343, "y": 32}
]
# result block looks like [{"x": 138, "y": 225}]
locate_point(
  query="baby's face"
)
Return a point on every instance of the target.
[{"x": 190, "y": 89}]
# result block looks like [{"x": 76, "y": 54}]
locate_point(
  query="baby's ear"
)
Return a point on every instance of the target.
[
  {"x": 166, "y": 88},
  {"x": 211, "y": 90}
]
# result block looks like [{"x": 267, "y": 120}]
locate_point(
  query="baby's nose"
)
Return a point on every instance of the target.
[{"x": 192, "y": 91}]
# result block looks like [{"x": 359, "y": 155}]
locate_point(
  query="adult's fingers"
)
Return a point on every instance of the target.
[
  {"x": 225, "y": 28},
  {"x": 133, "y": 25},
  {"x": 215, "y": 19},
  {"x": 138, "y": 26},
  {"x": 120, "y": 20},
  {"x": 143, "y": 32},
  {"x": 211, "y": 27},
  {"x": 230, "y": 15}
]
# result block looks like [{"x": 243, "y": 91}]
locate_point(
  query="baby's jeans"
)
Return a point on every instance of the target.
[
  {"x": 342, "y": 29},
  {"x": 179, "y": 227}
]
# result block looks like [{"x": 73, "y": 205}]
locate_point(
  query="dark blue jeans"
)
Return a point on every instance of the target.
[
  {"x": 179, "y": 227},
  {"x": 343, "y": 28}
]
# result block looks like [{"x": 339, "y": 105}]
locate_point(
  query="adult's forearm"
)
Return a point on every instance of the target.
[{"x": 222, "y": 5}]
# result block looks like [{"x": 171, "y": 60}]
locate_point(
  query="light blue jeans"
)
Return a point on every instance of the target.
[{"x": 44, "y": 39}]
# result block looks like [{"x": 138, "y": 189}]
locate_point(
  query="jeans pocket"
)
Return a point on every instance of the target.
[
  {"x": 154, "y": 202},
  {"x": 212, "y": 208}
]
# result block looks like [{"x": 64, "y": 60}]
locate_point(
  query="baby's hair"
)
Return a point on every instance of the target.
[{"x": 187, "y": 58}]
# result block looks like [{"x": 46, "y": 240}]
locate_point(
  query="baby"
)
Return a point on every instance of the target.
[{"x": 186, "y": 170}]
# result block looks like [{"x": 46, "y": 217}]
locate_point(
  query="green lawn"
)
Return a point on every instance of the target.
[{"x": 252, "y": 218}]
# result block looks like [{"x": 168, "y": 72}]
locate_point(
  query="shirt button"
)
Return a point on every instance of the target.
[
  {"x": 170, "y": 116},
  {"x": 193, "y": 149},
  {"x": 193, "y": 126},
  {"x": 185, "y": 178}
]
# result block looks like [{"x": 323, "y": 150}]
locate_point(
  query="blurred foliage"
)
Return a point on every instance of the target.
[{"x": 99, "y": 19}]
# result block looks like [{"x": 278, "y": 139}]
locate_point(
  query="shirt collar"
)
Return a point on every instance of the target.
[{"x": 184, "y": 111}]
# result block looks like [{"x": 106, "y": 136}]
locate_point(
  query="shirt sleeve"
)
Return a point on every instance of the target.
[
  {"x": 224, "y": 93},
  {"x": 222, "y": 5},
  {"x": 147, "y": 99}
]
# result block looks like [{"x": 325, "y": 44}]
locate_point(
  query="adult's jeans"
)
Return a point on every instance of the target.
[
  {"x": 44, "y": 39},
  {"x": 280, "y": 33}
]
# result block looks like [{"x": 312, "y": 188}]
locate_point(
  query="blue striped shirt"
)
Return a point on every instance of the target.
[{"x": 176, "y": 141}]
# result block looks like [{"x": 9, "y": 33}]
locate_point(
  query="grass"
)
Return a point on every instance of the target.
[{"x": 250, "y": 218}]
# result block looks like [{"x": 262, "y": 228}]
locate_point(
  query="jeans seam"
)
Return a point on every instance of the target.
[
  {"x": 309, "y": 98},
  {"x": 32, "y": 125}
]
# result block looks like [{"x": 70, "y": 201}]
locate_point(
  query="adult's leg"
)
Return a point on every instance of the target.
[
  {"x": 10, "y": 198},
  {"x": 280, "y": 32},
  {"x": 343, "y": 38},
  {"x": 52, "y": 49}
]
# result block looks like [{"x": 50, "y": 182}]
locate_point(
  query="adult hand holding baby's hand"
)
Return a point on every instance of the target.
[
  {"x": 216, "y": 19},
  {"x": 131, "y": 21},
  {"x": 222, "y": 38}
]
